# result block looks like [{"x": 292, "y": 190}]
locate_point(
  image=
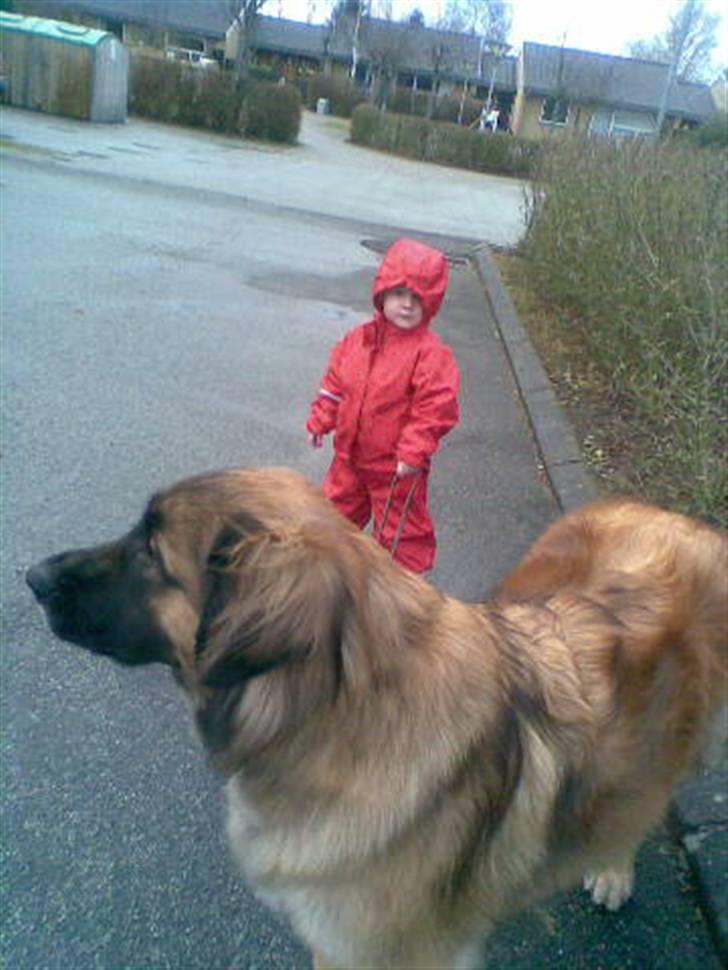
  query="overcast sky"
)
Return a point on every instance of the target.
[{"x": 605, "y": 26}]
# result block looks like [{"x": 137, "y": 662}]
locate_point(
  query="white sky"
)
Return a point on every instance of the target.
[{"x": 605, "y": 26}]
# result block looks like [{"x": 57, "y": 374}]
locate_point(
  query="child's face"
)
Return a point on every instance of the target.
[{"x": 402, "y": 308}]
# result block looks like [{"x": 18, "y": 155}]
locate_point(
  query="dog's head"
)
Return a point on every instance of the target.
[{"x": 230, "y": 578}]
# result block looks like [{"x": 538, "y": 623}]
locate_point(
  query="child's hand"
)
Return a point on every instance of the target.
[
  {"x": 406, "y": 471},
  {"x": 315, "y": 440}
]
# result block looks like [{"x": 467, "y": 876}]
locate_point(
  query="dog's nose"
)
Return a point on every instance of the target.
[{"x": 40, "y": 580}]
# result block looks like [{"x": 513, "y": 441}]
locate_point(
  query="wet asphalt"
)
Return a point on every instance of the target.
[{"x": 169, "y": 301}]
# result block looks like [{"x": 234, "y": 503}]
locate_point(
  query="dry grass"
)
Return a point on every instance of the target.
[
  {"x": 614, "y": 443},
  {"x": 627, "y": 303}
]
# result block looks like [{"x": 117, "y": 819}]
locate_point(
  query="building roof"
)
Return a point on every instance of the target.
[
  {"x": 406, "y": 47},
  {"x": 424, "y": 49},
  {"x": 618, "y": 81},
  {"x": 205, "y": 17},
  {"x": 290, "y": 36}
]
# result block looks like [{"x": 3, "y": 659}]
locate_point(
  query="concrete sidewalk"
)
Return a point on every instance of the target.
[{"x": 337, "y": 181}]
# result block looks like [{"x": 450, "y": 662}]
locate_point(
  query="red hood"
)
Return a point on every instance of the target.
[{"x": 418, "y": 267}]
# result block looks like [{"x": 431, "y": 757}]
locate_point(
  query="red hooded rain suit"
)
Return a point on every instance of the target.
[{"x": 390, "y": 394}]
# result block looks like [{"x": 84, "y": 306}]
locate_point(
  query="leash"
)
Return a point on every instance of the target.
[{"x": 378, "y": 533}]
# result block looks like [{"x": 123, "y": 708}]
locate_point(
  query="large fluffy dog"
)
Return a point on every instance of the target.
[{"x": 405, "y": 769}]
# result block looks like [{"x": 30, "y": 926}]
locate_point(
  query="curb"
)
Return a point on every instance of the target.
[
  {"x": 698, "y": 815},
  {"x": 559, "y": 450},
  {"x": 699, "y": 822}
]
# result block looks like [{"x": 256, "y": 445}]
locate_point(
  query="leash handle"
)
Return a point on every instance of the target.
[{"x": 378, "y": 533}]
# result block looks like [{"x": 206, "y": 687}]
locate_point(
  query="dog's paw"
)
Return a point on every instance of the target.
[{"x": 611, "y": 888}]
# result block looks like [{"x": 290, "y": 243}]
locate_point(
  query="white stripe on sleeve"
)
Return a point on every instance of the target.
[{"x": 332, "y": 397}]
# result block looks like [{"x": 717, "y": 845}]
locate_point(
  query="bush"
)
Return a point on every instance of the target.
[
  {"x": 712, "y": 135},
  {"x": 207, "y": 100},
  {"x": 448, "y": 109},
  {"x": 442, "y": 142},
  {"x": 273, "y": 111},
  {"x": 154, "y": 88},
  {"x": 265, "y": 72},
  {"x": 364, "y": 121},
  {"x": 629, "y": 242},
  {"x": 404, "y": 101},
  {"x": 407, "y": 102},
  {"x": 177, "y": 93}
]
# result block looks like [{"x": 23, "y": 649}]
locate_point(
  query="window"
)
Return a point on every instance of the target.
[
  {"x": 633, "y": 124},
  {"x": 555, "y": 111},
  {"x": 622, "y": 124},
  {"x": 186, "y": 41}
]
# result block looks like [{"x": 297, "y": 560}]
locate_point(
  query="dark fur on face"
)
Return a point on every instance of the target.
[
  {"x": 379, "y": 734},
  {"x": 103, "y": 598}
]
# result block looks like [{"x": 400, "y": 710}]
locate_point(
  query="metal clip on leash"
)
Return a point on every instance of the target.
[{"x": 378, "y": 533}]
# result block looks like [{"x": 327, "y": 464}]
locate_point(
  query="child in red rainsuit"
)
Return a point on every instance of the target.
[{"x": 390, "y": 393}]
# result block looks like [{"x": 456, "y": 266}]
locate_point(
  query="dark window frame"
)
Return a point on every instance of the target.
[{"x": 555, "y": 111}]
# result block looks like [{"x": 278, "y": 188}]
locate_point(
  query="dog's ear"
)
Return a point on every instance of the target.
[{"x": 273, "y": 598}]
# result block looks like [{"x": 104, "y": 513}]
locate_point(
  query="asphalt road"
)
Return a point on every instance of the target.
[{"x": 153, "y": 330}]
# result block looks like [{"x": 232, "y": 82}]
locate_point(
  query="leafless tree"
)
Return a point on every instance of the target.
[
  {"x": 388, "y": 47},
  {"x": 242, "y": 15},
  {"x": 491, "y": 19},
  {"x": 488, "y": 19},
  {"x": 440, "y": 57},
  {"x": 346, "y": 20},
  {"x": 688, "y": 42}
]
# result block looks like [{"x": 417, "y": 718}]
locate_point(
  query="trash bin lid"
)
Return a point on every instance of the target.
[{"x": 56, "y": 29}]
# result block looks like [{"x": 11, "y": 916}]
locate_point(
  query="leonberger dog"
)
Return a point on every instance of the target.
[{"x": 404, "y": 769}]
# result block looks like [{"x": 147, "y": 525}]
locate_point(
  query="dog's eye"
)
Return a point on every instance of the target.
[{"x": 151, "y": 547}]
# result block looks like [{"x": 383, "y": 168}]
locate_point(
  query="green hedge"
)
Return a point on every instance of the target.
[
  {"x": 344, "y": 95},
  {"x": 712, "y": 135},
  {"x": 629, "y": 242},
  {"x": 273, "y": 112},
  {"x": 173, "y": 92},
  {"x": 441, "y": 142},
  {"x": 404, "y": 101}
]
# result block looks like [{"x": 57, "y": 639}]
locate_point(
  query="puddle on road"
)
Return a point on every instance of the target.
[{"x": 350, "y": 290}]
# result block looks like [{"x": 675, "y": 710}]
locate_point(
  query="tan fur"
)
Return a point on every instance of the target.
[{"x": 405, "y": 769}]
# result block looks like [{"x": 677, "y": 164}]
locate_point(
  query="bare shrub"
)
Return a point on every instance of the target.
[
  {"x": 173, "y": 92},
  {"x": 631, "y": 241}
]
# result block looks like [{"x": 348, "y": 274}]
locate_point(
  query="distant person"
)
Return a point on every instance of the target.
[
  {"x": 487, "y": 120},
  {"x": 491, "y": 120},
  {"x": 390, "y": 394}
]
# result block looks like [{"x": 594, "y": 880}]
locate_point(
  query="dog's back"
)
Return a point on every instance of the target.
[
  {"x": 664, "y": 577},
  {"x": 623, "y": 535}
]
